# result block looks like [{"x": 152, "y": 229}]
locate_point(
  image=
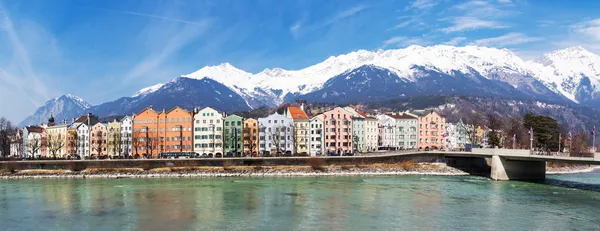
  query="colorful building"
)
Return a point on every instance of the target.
[
  {"x": 275, "y": 135},
  {"x": 338, "y": 131},
  {"x": 251, "y": 137},
  {"x": 72, "y": 140},
  {"x": 316, "y": 142},
  {"x": 208, "y": 132},
  {"x": 432, "y": 127},
  {"x": 364, "y": 130},
  {"x": 175, "y": 131},
  {"x": 301, "y": 128},
  {"x": 57, "y": 140},
  {"x": 232, "y": 135},
  {"x": 457, "y": 135},
  {"x": 387, "y": 132},
  {"x": 98, "y": 144},
  {"x": 145, "y": 134},
  {"x": 113, "y": 138}
]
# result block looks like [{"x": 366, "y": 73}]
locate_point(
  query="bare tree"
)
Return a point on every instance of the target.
[
  {"x": 115, "y": 142},
  {"x": 151, "y": 145},
  {"x": 135, "y": 141},
  {"x": 6, "y": 133},
  {"x": 275, "y": 137},
  {"x": 17, "y": 141},
  {"x": 55, "y": 143},
  {"x": 34, "y": 145},
  {"x": 98, "y": 143}
]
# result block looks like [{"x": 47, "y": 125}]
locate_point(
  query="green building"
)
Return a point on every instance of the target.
[{"x": 232, "y": 135}]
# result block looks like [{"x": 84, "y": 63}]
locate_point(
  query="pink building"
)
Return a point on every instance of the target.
[
  {"x": 338, "y": 131},
  {"x": 431, "y": 130}
]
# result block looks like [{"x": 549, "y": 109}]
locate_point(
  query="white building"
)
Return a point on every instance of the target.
[
  {"x": 35, "y": 143},
  {"x": 126, "y": 134},
  {"x": 275, "y": 135},
  {"x": 83, "y": 140},
  {"x": 387, "y": 127},
  {"x": 208, "y": 132},
  {"x": 457, "y": 136},
  {"x": 364, "y": 130},
  {"x": 58, "y": 135},
  {"x": 316, "y": 142}
]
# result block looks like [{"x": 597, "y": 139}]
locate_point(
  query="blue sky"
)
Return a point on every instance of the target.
[{"x": 102, "y": 50}]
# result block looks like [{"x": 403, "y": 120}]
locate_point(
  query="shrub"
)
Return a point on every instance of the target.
[
  {"x": 258, "y": 168},
  {"x": 316, "y": 163},
  {"x": 408, "y": 165}
]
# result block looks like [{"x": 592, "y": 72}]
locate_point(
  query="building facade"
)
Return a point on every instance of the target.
[
  {"x": 113, "y": 138},
  {"x": 98, "y": 143},
  {"x": 232, "y": 134},
  {"x": 72, "y": 140},
  {"x": 275, "y": 135},
  {"x": 251, "y": 137},
  {"x": 364, "y": 130},
  {"x": 145, "y": 134},
  {"x": 457, "y": 136},
  {"x": 208, "y": 132},
  {"x": 35, "y": 141},
  {"x": 432, "y": 127},
  {"x": 316, "y": 141},
  {"x": 387, "y": 132},
  {"x": 126, "y": 136},
  {"x": 338, "y": 131},
  {"x": 57, "y": 139},
  {"x": 175, "y": 132},
  {"x": 83, "y": 140},
  {"x": 407, "y": 130},
  {"x": 301, "y": 128}
]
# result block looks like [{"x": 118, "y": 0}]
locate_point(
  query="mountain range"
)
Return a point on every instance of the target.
[{"x": 569, "y": 76}]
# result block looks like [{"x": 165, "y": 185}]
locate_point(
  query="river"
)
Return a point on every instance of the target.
[{"x": 563, "y": 202}]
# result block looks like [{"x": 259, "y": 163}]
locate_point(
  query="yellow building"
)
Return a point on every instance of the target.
[
  {"x": 113, "y": 138},
  {"x": 56, "y": 141},
  {"x": 301, "y": 128}
]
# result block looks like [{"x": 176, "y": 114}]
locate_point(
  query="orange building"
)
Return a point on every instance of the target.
[
  {"x": 251, "y": 137},
  {"x": 145, "y": 134},
  {"x": 167, "y": 132},
  {"x": 175, "y": 131},
  {"x": 432, "y": 127}
]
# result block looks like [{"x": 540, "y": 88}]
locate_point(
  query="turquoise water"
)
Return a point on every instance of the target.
[{"x": 332, "y": 203}]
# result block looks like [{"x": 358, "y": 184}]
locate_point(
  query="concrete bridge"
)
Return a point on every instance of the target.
[{"x": 506, "y": 164}]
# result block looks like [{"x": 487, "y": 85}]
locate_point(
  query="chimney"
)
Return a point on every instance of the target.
[
  {"x": 73, "y": 119},
  {"x": 88, "y": 118},
  {"x": 302, "y": 106},
  {"x": 150, "y": 106}
]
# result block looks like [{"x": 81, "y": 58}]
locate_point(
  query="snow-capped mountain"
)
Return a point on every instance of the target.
[
  {"x": 573, "y": 72},
  {"x": 276, "y": 85},
  {"x": 63, "y": 107},
  {"x": 565, "y": 76}
]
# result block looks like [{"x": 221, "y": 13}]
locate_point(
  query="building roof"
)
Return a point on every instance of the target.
[
  {"x": 297, "y": 113},
  {"x": 401, "y": 116},
  {"x": 35, "y": 129}
]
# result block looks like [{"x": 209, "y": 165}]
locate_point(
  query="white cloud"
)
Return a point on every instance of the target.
[
  {"x": 455, "y": 41},
  {"x": 344, "y": 14},
  {"x": 179, "y": 37},
  {"x": 295, "y": 29},
  {"x": 403, "y": 24},
  {"x": 590, "y": 28},
  {"x": 152, "y": 16},
  {"x": 402, "y": 41},
  {"x": 422, "y": 4},
  {"x": 506, "y": 40},
  {"x": 472, "y": 23}
]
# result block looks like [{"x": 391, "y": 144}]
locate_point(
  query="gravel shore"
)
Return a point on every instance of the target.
[{"x": 212, "y": 172}]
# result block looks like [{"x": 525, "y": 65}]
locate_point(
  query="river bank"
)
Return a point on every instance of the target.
[
  {"x": 437, "y": 169},
  {"x": 403, "y": 168}
]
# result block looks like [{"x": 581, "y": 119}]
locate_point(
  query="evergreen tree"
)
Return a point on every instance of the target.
[{"x": 545, "y": 130}]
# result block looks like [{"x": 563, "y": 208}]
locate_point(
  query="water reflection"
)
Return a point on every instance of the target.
[{"x": 344, "y": 203}]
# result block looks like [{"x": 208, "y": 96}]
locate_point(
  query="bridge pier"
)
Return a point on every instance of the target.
[{"x": 504, "y": 169}]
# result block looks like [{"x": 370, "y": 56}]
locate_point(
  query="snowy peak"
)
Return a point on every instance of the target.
[
  {"x": 148, "y": 90},
  {"x": 68, "y": 98},
  {"x": 574, "y": 72},
  {"x": 63, "y": 107},
  {"x": 224, "y": 73}
]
